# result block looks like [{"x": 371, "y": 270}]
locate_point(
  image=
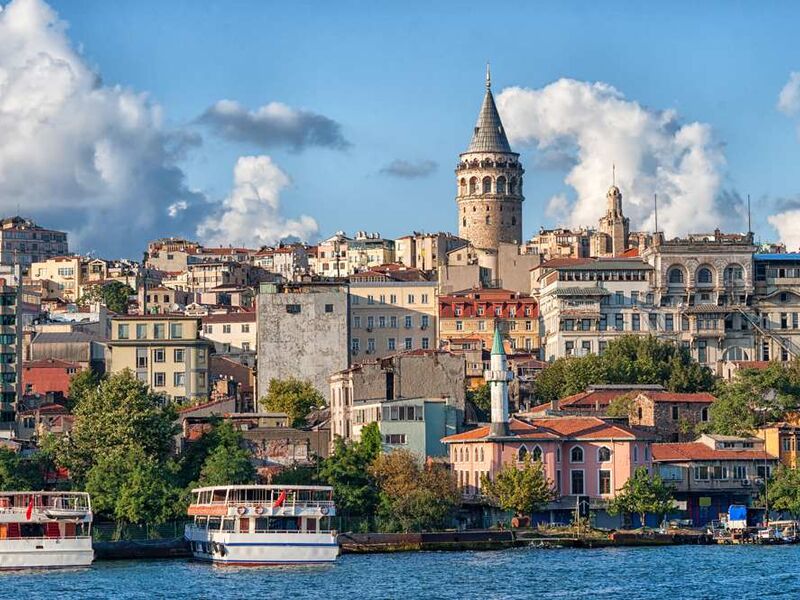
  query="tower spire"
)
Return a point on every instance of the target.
[
  {"x": 488, "y": 76},
  {"x": 613, "y": 174}
]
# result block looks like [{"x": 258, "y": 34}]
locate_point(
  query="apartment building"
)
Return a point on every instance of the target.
[
  {"x": 231, "y": 333},
  {"x": 330, "y": 257},
  {"x": 473, "y": 314},
  {"x": 166, "y": 352},
  {"x": 392, "y": 309},
  {"x": 368, "y": 250},
  {"x": 426, "y": 251},
  {"x": 10, "y": 347},
  {"x": 776, "y": 308},
  {"x": 170, "y": 255},
  {"x": 205, "y": 276},
  {"x": 23, "y": 242},
  {"x": 61, "y": 277},
  {"x": 561, "y": 243},
  {"x": 159, "y": 299}
]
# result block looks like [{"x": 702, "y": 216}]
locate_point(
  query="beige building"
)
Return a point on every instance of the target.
[
  {"x": 330, "y": 257},
  {"x": 426, "y": 251},
  {"x": 164, "y": 351},
  {"x": 231, "y": 333},
  {"x": 368, "y": 250},
  {"x": 561, "y": 243},
  {"x": 507, "y": 266},
  {"x": 392, "y": 309},
  {"x": 170, "y": 255},
  {"x": 159, "y": 299},
  {"x": 62, "y": 277},
  {"x": 205, "y": 276}
]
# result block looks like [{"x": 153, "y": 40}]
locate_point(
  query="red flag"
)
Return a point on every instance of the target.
[
  {"x": 29, "y": 512},
  {"x": 281, "y": 499}
]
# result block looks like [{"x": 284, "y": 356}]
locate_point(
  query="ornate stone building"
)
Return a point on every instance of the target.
[
  {"x": 489, "y": 183},
  {"x": 614, "y": 227}
]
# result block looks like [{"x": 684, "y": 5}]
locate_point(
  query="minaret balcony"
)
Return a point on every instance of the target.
[{"x": 500, "y": 376}]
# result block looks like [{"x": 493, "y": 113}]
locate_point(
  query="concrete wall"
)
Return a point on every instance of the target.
[{"x": 309, "y": 344}]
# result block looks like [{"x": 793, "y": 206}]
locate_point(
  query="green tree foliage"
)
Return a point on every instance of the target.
[
  {"x": 754, "y": 397},
  {"x": 347, "y": 470},
  {"x": 227, "y": 465},
  {"x": 622, "y": 406},
  {"x": 298, "y": 475},
  {"x": 522, "y": 489},
  {"x": 643, "y": 493},
  {"x": 294, "y": 397},
  {"x": 784, "y": 491},
  {"x": 630, "y": 359},
  {"x": 114, "y": 295},
  {"x": 81, "y": 385},
  {"x": 217, "y": 458},
  {"x": 413, "y": 497},
  {"x": 481, "y": 397},
  {"x": 17, "y": 473}
]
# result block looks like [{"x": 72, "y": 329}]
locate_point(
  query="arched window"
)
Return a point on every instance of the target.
[
  {"x": 522, "y": 453},
  {"x": 473, "y": 185},
  {"x": 481, "y": 453},
  {"x": 463, "y": 186},
  {"x": 704, "y": 276},
  {"x": 464, "y": 221},
  {"x": 636, "y": 454},
  {"x": 476, "y": 454},
  {"x": 675, "y": 275},
  {"x": 487, "y": 185},
  {"x": 488, "y": 220},
  {"x": 603, "y": 454},
  {"x": 733, "y": 274},
  {"x": 501, "y": 185},
  {"x": 537, "y": 454},
  {"x": 576, "y": 454},
  {"x": 512, "y": 186},
  {"x": 460, "y": 454},
  {"x": 704, "y": 414}
]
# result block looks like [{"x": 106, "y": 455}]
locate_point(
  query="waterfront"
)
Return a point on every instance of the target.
[{"x": 674, "y": 572}]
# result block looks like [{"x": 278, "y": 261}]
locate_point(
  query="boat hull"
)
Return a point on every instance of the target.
[
  {"x": 47, "y": 553},
  {"x": 255, "y": 549}
]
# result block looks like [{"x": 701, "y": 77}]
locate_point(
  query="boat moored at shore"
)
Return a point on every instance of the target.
[
  {"x": 262, "y": 525},
  {"x": 45, "y": 530}
]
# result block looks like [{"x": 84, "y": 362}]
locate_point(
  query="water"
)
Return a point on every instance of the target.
[{"x": 671, "y": 573}]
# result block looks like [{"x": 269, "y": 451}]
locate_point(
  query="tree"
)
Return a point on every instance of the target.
[
  {"x": 481, "y": 397},
  {"x": 784, "y": 491},
  {"x": 217, "y": 458},
  {"x": 347, "y": 470},
  {"x": 622, "y": 406},
  {"x": 114, "y": 295},
  {"x": 118, "y": 415},
  {"x": 294, "y": 397},
  {"x": 523, "y": 490},
  {"x": 643, "y": 493},
  {"x": 754, "y": 397},
  {"x": 17, "y": 473},
  {"x": 629, "y": 359},
  {"x": 81, "y": 385},
  {"x": 413, "y": 497},
  {"x": 227, "y": 465}
]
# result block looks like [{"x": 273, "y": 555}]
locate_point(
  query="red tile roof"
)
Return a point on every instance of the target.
[
  {"x": 238, "y": 317},
  {"x": 753, "y": 364},
  {"x": 629, "y": 253},
  {"x": 555, "y": 428},
  {"x": 700, "y": 451}
]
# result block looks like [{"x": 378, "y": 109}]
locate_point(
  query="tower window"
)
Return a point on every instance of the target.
[
  {"x": 463, "y": 186},
  {"x": 512, "y": 186},
  {"x": 487, "y": 185},
  {"x": 473, "y": 185},
  {"x": 488, "y": 220},
  {"x": 501, "y": 185},
  {"x": 513, "y": 220},
  {"x": 464, "y": 222}
]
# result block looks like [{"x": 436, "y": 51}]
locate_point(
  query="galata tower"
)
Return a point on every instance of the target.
[{"x": 489, "y": 181}]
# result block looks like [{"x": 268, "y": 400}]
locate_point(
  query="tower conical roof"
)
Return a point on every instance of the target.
[
  {"x": 497, "y": 343},
  {"x": 489, "y": 135}
]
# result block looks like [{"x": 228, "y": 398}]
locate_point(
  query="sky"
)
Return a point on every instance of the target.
[{"x": 246, "y": 123}]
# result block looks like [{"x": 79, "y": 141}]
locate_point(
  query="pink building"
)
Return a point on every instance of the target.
[{"x": 582, "y": 456}]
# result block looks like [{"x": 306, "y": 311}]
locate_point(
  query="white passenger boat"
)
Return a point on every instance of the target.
[
  {"x": 45, "y": 530},
  {"x": 262, "y": 525}
]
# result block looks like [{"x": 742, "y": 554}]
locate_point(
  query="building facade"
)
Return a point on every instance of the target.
[
  {"x": 23, "y": 242},
  {"x": 489, "y": 183},
  {"x": 164, "y": 351},
  {"x": 231, "y": 333}
]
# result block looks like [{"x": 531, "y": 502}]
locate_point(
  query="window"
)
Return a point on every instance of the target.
[
  {"x": 411, "y": 298},
  {"x": 123, "y": 331},
  {"x": 160, "y": 331},
  {"x": 576, "y": 482},
  {"x": 293, "y": 309},
  {"x": 394, "y": 438},
  {"x": 178, "y": 355},
  {"x": 208, "y": 329},
  {"x": 537, "y": 454},
  {"x": 675, "y": 275},
  {"x": 739, "y": 472},
  {"x": 426, "y": 343},
  {"x": 370, "y": 299},
  {"x": 246, "y": 346},
  {"x": 501, "y": 185},
  {"x": 603, "y": 324},
  {"x": 702, "y": 351},
  {"x": 522, "y": 453},
  {"x": 576, "y": 455},
  {"x": 381, "y": 322},
  {"x": 635, "y": 322},
  {"x": 408, "y": 343},
  {"x": 371, "y": 345},
  {"x": 408, "y": 322},
  {"x": 569, "y": 324},
  {"x": 423, "y": 321},
  {"x": 619, "y": 321},
  {"x": 603, "y": 454},
  {"x": 159, "y": 355},
  {"x": 669, "y": 323},
  {"x": 675, "y": 413},
  {"x": 355, "y": 344},
  {"x": 176, "y": 331},
  {"x": 329, "y": 308},
  {"x": 392, "y": 298},
  {"x": 159, "y": 379},
  {"x": 701, "y": 473},
  {"x": 704, "y": 275},
  {"x": 704, "y": 414},
  {"x": 245, "y": 327},
  {"x": 636, "y": 454},
  {"x": 226, "y": 328},
  {"x": 481, "y": 325},
  {"x": 459, "y": 325},
  {"x": 424, "y": 298},
  {"x": 141, "y": 331},
  {"x": 487, "y": 185},
  {"x": 179, "y": 379},
  {"x": 763, "y": 471},
  {"x": 604, "y": 481},
  {"x": 391, "y": 344},
  {"x": 356, "y": 322}
]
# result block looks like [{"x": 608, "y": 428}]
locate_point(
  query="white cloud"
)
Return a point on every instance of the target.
[
  {"x": 75, "y": 153},
  {"x": 174, "y": 209},
  {"x": 409, "y": 169},
  {"x": 654, "y": 153},
  {"x": 558, "y": 208},
  {"x": 251, "y": 214},
  {"x": 273, "y": 125},
  {"x": 787, "y": 224},
  {"x": 789, "y": 97}
]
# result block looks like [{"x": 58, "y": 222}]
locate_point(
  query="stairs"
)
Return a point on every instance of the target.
[{"x": 788, "y": 345}]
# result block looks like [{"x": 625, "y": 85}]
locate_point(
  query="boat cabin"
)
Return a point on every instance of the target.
[{"x": 60, "y": 515}]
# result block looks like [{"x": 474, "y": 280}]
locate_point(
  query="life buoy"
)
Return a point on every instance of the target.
[
  {"x": 323, "y": 510},
  {"x": 241, "y": 510},
  {"x": 259, "y": 510}
]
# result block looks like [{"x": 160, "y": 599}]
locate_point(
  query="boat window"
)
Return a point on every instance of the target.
[
  {"x": 284, "y": 523},
  {"x": 228, "y": 525},
  {"x": 262, "y": 524},
  {"x": 213, "y": 522}
]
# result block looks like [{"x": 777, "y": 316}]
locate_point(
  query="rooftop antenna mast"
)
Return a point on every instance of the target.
[
  {"x": 655, "y": 205},
  {"x": 749, "y": 222},
  {"x": 613, "y": 174}
]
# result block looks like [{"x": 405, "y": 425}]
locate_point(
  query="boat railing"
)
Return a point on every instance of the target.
[{"x": 265, "y": 503}]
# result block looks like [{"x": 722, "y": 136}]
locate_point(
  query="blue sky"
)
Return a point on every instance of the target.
[{"x": 405, "y": 81}]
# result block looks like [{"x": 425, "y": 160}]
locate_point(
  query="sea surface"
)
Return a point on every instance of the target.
[{"x": 718, "y": 572}]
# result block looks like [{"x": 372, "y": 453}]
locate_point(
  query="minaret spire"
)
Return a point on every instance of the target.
[{"x": 488, "y": 77}]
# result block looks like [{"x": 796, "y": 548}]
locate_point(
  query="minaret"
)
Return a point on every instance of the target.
[
  {"x": 498, "y": 377},
  {"x": 489, "y": 182}
]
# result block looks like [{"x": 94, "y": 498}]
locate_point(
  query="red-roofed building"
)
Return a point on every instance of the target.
[
  {"x": 48, "y": 376},
  {"x": 473, "y": 314},
  {"x": 714, "y": 472}
]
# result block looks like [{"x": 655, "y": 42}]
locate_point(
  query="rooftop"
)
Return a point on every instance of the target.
[
  {"x": 553, "y": 428},
  {"x": 700, "y": 451}
]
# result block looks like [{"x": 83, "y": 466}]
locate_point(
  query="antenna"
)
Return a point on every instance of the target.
[
  {"x": 749, "y": 223},
  {"x": 655, "y": 205},
  {"x": 613, "y": 174},
  {"x": 488, "y": 76}
]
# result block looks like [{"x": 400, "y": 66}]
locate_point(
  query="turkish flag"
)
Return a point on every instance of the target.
[
  {"x": 281, "y": 499},
  {"x": 29, "y": 512}
]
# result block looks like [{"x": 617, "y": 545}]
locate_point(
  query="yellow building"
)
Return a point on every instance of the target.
[
  {"x": 61, "y": 276},
  {"x": 164, "y": 351},
  {"x": 782, "y": 440}
]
